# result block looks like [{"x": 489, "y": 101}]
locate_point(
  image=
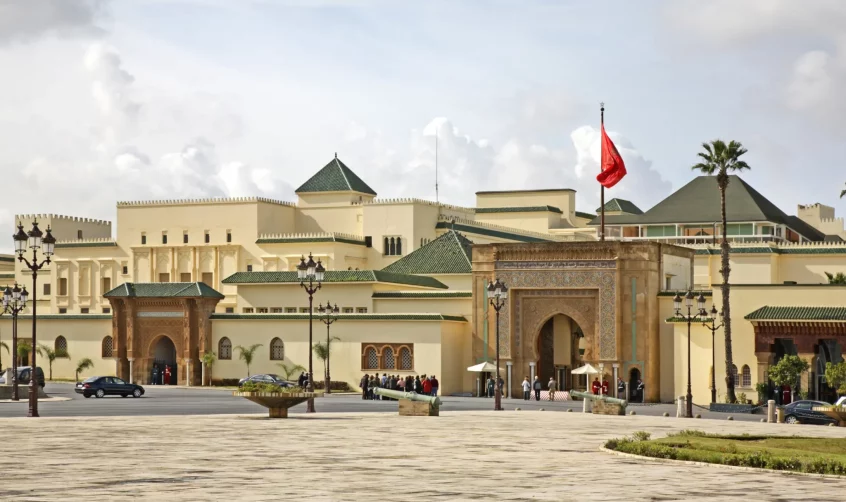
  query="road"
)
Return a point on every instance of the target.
[{"x": 199, "y": 401}]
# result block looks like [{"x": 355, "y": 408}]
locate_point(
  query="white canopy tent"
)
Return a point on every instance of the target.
[
  {"x": 587, "y": 369},
  {"x": 484, "y": 367}
]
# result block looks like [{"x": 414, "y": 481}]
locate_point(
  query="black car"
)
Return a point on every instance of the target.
[
  {"x": 108, "y": 386},
  {"x": 801, "y": 412},
  {"x": 24, "y": 373},
  {"x": 268, "y": 378}
]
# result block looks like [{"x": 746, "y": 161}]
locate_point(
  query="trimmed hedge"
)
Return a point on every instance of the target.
[{"x": 339, "y": 386}]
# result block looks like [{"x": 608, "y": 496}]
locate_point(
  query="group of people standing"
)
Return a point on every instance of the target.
[
  {"x": 421, "y": 384},
  {"x": 537, "y": 387},
  {"x": 161, "y": 374}
]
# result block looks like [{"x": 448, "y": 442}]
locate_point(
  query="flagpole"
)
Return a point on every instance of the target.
[{"x": 602, "y": 187}]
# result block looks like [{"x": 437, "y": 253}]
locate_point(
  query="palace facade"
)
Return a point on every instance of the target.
[{"x": 177, "y": 279}]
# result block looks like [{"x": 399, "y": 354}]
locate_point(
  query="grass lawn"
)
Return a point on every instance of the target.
[{"x": 817, "y": 455}]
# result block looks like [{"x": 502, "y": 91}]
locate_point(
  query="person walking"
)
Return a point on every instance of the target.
[
  {"x": 527, "y": 389},
  {"x": 552, "y": 386},
  {"x": 500, "y": 383},
  {"x": 435, "y": 385},
  {"x": 490, "y": 386},
  {"x": 536, "y": 386}
]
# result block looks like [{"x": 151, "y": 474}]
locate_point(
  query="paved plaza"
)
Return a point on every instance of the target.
[{"x": 510, "y": 455}]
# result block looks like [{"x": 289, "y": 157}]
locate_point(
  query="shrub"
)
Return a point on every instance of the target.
[
  {"x": 268, "y": 387},
  {"x": 641, "y": 436},
  {"x": 339, "y": 386},
  {"x": 226, "y": 382}
]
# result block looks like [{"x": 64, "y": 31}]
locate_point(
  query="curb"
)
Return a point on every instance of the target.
[
  {"x": 40, "y": 400},
  {"x": 602, "y": 448}
]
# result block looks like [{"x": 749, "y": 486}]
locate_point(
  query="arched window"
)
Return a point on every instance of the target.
[
  {"x": 746, "y": 376},
  {"x": 224, "y": 349},
  {"x": 387, "y": 248},
  {"x": 388, "y": 358},
  {"x": 61, "y": 345},
  {"x": 734, "y": 375},
  {"x": 393, "y": 250},
  {"x": 371, "y": 358},
  {"x": 399, "y": 246},
  {"x": 108, "y": 346},
  {"x": 277, "y": 350},
  {"x": 405, "y": 360}
]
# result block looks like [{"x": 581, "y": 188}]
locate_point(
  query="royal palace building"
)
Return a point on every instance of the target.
[{"x": 177, "y": 279}]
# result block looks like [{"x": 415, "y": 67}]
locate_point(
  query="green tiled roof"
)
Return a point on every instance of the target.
[
  {"x": 683, "y": 320},
  {"x": 422, "y": 294},
  {"x": 345, "y": 317},
  {"x": 696, "y": 293},
  {"x": 7, "y": 275},
  {"x": 336, "y": 276},
  {"x": 809, "y": 250},
  {"x": 699, "y": 202},
  {"x": 448, "y": 254},
  {"x": 7, "y": 259},
  {"x": 773, "y": 313},
  {"x": 470, "y": 229},
  {"x": 291, "y": 240},
  {"x": 588, "y": 216},
  {"x": 335, "y": 177},
  {"x": 104, "y": 244},
  {"x": 163, "y": 290},
  {"x": 521, "y": 209},
  {"x": 620, "y": 205}
]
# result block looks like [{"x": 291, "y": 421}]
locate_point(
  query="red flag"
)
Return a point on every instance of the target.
[{"x": 613, "y": 167}]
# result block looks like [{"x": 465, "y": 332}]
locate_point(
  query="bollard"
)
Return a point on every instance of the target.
[
  {"x": 516, "y": 409},
  {"x": 698, "y": 416},
  {"x": 730, "y": 417},
  {"x": 779, "y": 415},
  {"x": 569, "y": 410},
  {"x": 541, "y": 409},
  {"x": 680, "y": 409},
  {"x": 632, "y": 413},
  {"x": 771, "y": 411},
  {"x": 666, "y": 414}
]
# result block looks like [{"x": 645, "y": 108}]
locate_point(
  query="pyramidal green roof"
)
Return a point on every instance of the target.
[
  {"x": 621, "y": 205},
  {"x": 335, "y": 177},
  {"x": 163, "y": 290},
  {"x": 448, "y": 254}
]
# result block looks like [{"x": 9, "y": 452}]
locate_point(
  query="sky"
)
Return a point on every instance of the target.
[{"x": 104, "y": 101}]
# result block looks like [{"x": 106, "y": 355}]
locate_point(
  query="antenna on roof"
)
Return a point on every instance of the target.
[{"x": 436, "y": 166}]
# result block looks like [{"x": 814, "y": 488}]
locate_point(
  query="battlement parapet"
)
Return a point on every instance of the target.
[
  {"x": 24, "y": 218},
  {"x": 198, "y": 202}
]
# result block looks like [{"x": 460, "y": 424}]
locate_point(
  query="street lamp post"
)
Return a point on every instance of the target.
[
  {"x": 713, "y": 328},
  {"x": 14, "y": 301},
  {"x": 328, "y": 315},
  {"x": 498, "y": 294},
  {"x": 34, "y": 240},
  {"x": 310, "y": 275},
  {"x": 688, "y": 302}
]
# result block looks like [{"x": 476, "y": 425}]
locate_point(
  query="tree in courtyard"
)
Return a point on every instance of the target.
[
  {"x": 835, "y": 376},
  {"x": 289, "y": 370},
  {"x": 838, "y": 278},
  {"x": 721, "y": 159},
  {"x": 51, "y": 355},
  {"x": 246, "y": 354},
  {"x": 787, "y": 371},
  {"x": 82, "y": 365},
  {"x": 208, "y": 360},
  {"x": 322, "y": 350},
  {"x": 3, "y": 346},
  {"x": 24, "y": 348}
]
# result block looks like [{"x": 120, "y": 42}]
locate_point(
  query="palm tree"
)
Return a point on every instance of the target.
[
  {"x": 3, "y": 346},
  {"x": 290, "y": 370},
  {"x": 24, "y": 348},
  {"x": 82, "y": 365},
  {"x": 838, "y": 278},
  {"x": 321, "y": 350},
  {"x": 247, "y": 354},
  {"x": 51, "y": 355},
  {"x": 721, "y": 159},
  {"x": 208, "y": 360}
]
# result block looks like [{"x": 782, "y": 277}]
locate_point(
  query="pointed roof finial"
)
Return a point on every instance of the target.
[
  {"x": 336, "y": 155},
  {"x": 452, "y": 225}
]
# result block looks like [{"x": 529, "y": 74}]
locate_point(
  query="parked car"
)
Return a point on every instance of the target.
[
  {"x": 841, "y": 401},
  {"x": 108, "y": 386},
  {"x": 801, "y": 412},
  {"x": 24, "y": 373},
  {"x": 268, "y": 378}
]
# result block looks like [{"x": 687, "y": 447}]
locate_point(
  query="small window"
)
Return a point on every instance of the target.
[
  {"x": 185, "y": 277},
  {"x": 392, "y": 246},
  {"x": 107, "y": 284},
  {"x": 185, "y": 238},
  {"x": 125, "y": 270},
  {"x": 230, "y": 310},
  {"x": 61, "y": 344},
  {"x": 247, "y": 310},
  {"x": 206, "y": 237},
  {"x": 746, "y": 376},
  {"x": 63, "y": 310},
  {"x": 63, "y": 286},
  {"x": 361, "y": 310},
  {"x": 277, "y": 350},
  {"x": 84, "y": 310},
  {"x": 249, "y": 268},
  {"x": 107, "y": 347},
  {"x": 224, "y": 349},
  {"x": 164, "y": 237},
  {"x": 208, "y": 278},
  {"x": 164, "y": 277},
  {"x": 107, "y": 310},
  {"x": 261, "y": 310},
  {"x": 667, "y": 282},
  {"x": 290, "y": 310},
  {"x": 47, "y": 289},
  {"x": 143, "y": 238},
  {"x": 303, "y": 310},
  {"x": 347, "y": 310},
  {"x": 229, "y": 236},
  {"x": 79, "y": 234},
  {"x": 275, "y": 310}
]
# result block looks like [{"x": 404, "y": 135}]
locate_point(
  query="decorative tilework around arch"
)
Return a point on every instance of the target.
[{"x": 563, "y": 275}]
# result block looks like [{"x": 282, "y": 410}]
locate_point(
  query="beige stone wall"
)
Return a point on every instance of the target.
[
  {"x": 446, "y": 306},
  {"x": 533, "y": 221}
]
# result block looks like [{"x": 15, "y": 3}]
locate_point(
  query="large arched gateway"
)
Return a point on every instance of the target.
[{"x": 597, "y": 299}]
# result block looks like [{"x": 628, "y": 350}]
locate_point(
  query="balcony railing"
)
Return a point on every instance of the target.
[{"x": 702, "y": 239}]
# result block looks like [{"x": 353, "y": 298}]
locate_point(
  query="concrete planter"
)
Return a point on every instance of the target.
[
  {"x": 731, "y": 408},
  {"x": 836, "y": 412},
  {"x": 277, "y": 403}
]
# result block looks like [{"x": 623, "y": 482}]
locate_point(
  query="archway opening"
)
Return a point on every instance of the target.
[
  {"x": 165, "y": 368},
  {"x": 560, "y": 349},
  {"x": 635, "y": 393}
]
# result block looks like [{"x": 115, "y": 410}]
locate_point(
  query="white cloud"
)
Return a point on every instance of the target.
[{"x": 27, "y": 20}]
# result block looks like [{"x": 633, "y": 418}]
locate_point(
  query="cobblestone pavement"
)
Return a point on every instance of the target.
[{"x": 510, "y": 455}]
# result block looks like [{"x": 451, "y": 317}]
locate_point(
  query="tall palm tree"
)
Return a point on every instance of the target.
[
  {"x": 321, "y": 350},
  {"x": 82, "y": 365},
  {"x": 289, "y": 370},
  {"x": 838, "y": 278},
  {"x": 721, "y": 159},
  {"x": 208, "y": 360},
  {"x": 247, "y": 354},
  {"x": 51, "y": 355}
]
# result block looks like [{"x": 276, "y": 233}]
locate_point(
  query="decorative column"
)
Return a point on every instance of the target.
[
  {"x": 131, "y": 368},
  {"x": 188, "y": 371},
  {"x": 614, "y": 382},
  {"x": 509, "y": 365},
  {"x": 532, "y": 371}
]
